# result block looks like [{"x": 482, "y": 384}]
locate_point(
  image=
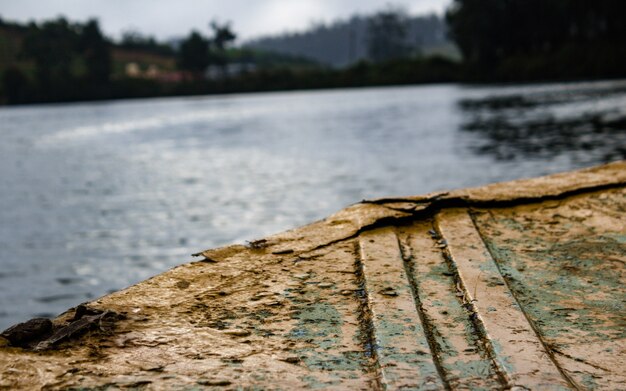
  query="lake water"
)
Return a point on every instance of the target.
[{"x": 97, "y": 196}]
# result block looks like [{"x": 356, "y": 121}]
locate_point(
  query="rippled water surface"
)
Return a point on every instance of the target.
[{"x": 97, "y": 196}]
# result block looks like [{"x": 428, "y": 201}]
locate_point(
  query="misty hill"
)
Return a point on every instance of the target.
[{"x": 344, "y": 42}]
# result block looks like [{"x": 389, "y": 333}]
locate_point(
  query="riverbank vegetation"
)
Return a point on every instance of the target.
[{"x": 497, "y": 41}]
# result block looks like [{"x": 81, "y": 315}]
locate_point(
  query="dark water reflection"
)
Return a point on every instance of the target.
[
  {"x": 95, "y": 197},
  {"x": 587, "y": 121}
]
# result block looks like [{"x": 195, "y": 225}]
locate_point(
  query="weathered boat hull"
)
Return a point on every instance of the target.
[{"x": 519, "y": 284}]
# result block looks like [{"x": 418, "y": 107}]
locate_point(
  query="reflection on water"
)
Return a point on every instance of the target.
[
  {"x": 95, "y": 197},
  {"x": 587, "y": 121}
]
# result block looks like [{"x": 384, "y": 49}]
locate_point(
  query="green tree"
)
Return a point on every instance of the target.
[
  {"x": 223, "y": 35},
  {"x": 193, "y": 54},
  {"x": 531, "y": 39},
  {"x": 96, "y": 53},
  {"x": 52, "y": 48},
  {"x": 222, "y": 38}
]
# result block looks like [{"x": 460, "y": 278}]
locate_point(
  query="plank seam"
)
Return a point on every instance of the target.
[
  {"x": 365, "y": 316},
  {"x": 474, "y": 319},
  {"x": 430, "y": 338}
]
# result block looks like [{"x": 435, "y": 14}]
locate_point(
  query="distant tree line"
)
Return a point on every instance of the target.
[
  {"x": 63, "y": 61},
  {"x": 134, "y": 40},
  {"x": 395, "y": 72},
  {"x": 71, "y": 61},
  {"x": 540, "y": 39},
  {"x": 500, "y": 40}
]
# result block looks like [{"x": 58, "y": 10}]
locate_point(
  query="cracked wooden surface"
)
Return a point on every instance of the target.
[{"x": 512, "y": 285}]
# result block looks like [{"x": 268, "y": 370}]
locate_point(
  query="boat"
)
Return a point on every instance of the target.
[{"x": 517, "y": 285}]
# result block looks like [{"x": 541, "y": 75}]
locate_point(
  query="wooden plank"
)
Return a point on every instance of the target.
[
  {"x": 310, "y": 308},
  {"x": 516, "y": 347},
  {"x": 462, "y": 355},
  {"x": 400, "y": 344},
  {"x": 564, "y": 261}
]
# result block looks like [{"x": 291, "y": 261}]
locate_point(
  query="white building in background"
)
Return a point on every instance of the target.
[{"x": 132, "y": 69}]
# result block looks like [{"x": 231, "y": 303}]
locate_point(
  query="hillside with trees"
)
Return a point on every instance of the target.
[{"x": 346, "y": 42}]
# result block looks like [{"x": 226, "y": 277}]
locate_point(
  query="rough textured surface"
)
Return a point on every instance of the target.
[{"x": 511, "y": 285}]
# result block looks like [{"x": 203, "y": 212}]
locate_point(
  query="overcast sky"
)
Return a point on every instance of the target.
[{"x": 171, "y": 18}]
